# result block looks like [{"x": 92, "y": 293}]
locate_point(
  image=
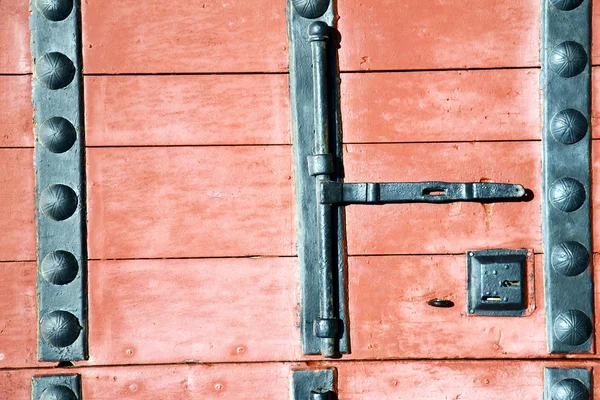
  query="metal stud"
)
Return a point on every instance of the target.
[
  {"x": 59, "y": 267},
  {"x": 55, "y": 10},
  {"x": 58, "y": 392},
  {"x": 567, "y": 194},
  {"x": 60, "y": 328},
  {"x": 570, "y": 258},
  {"x": 568, "y": 59},
  {"x": 55, "y": 70},
  {"x": 58, "y": 202},
  {"x": 566, "y": 5},
  {"x": 569, "y": 126},
  {"x": 311, "y": 8},
  {"x": 57, "y": 135},
  {"x": 573, "y": 327},
  {"x": 569, "y": 389}
]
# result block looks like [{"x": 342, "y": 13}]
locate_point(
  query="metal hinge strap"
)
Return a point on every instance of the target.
[
  {"x": 60, "y": 185},
  {"x": 566, "y": 66}
]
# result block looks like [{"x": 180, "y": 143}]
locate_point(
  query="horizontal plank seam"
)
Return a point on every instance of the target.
[
  {"x": 314, "y": 362},
  {"x": 211, "y": 73},
  {"x": 377, "y": 71}
]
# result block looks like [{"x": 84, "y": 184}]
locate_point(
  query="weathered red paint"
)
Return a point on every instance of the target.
[
  {"x": 16, "y": 111},
  {"x": 387, "y": 35},
  {"x": 211, "y": 310},
  {"x": 190, "y": 36},
  {"x": 441, "y": 106},
  {"x": 490, "y": 380},
  {"x": 17, "y": 205},
  {"x": 14, "y": 37},
  {"x": 444, "y": 228},
  {"x": 157, "y": 202},
  {"x": 187, "y": 110}
]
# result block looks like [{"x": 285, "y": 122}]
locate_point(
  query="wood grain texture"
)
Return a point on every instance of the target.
[
  {"x": 387, "y": 35},
  {"x": 18, "y": 316},
  {"x": 187, "y": 110},
  {"x": 441, "y": 106},
  {"x": 190, "y": 202},
  {"x": 596, "y": 195},
  {"x": 444, "y": 228},
  {"x": 14, "y": 37},
  {"x": 390, "y": 317},
  {"x": 16, "y": 111},
  {"x": 190, "y": 36},
  {"x": 17, "y": 205},
  {"x": 484, "y": 380},
  {"x": 212, "y": 310}
]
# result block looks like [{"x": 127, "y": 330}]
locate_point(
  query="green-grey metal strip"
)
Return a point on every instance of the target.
[
  {"x": 60, "y": 187},
  {"x": 567, "y": 384},
  {"x": 566, "y": 67},
  {"x": 56, "y": 387}
]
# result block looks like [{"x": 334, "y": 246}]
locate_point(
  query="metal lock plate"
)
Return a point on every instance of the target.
[{"x": 497, "y": 284}]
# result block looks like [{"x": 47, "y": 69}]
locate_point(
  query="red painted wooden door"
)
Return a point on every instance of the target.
[{"x": 193, "y": 277}]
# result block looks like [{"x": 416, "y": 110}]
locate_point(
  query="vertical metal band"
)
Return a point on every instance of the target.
[
  {"x": 317, "y": 156},
  {"x": 53, "y": 387},
  {"x": 60, "y": 188},
  {"x": 566, "y": 175},
  {"x": 313, "y": 385},
  {"x": 567, "y": 384}
]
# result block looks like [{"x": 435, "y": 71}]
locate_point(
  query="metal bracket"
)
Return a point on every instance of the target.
[
  {"x": 320, "y": 192},
  {"x": 54, "y": 387},
  {"x": 569, "y": 294},
  {"x": 417, "y": 192},
  {"x": 60, "y": 188},
  {"x": 313, "y": 385},
  {"x": 567, "y": 384}
]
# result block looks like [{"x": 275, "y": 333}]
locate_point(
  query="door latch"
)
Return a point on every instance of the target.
[{"x": 321, "y": 193}]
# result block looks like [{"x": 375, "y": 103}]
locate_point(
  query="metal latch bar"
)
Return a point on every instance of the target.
[{"x": 417, "y": 192}]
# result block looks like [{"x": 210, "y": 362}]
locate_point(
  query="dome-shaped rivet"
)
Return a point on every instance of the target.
[
  {"x": 58, "y": 392},
  {"x": 321, "y": 395},
  {"x": 311, "y": 8},
  {"x": 569, "y": 389},
  {"x": 58, "y": 202},
  {"x": 57, "y": 135},
  {"x": 59, "y": 267},
  {"x": 54, "y": 10},
  {"x": 568, "y": 59},
  {"x": 54, "y": 70},
  {"x": 573, "y": 327},
  {"x": 570, "y": 258},
  {"x": 566, "y": 5},
  {"x": 569, "y": 126},
  {"x": 567, "y": 194},
  {"x": 60, "y": 328}
]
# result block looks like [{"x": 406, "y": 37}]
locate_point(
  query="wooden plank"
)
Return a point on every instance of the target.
[
  {"x": 385, "y": 35},
  {"x": 595, "y": 80},
  {"x": 190, "y": 202},
  {"x": 18, "y": 316},
  {"x": 187, "y": 110},
  {"x": 208, "y": 310},
  {"x": 441, "y": 106},
  {"x": 16, "y": 112},
  {"x": 391, "y": 317},
  {"x": 483, "y": 380},
  {"x": 190, "y": 36},
  {"x": 595, "y": 195},
  {"x": 444, "y": 228},
  {"x": 17, "y": 205},
  {"x": 14, "y": 37}
]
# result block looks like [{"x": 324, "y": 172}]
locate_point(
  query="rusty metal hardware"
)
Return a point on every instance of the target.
[
  {"x": 60, "y": 179},
  {"x": 313, "y": 384},
  {"x": 63, "y": 387},
  {"x": 566, "y": 68}
]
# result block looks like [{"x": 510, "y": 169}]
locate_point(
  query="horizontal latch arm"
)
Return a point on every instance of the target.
[{"x": 417, "y": 192}]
